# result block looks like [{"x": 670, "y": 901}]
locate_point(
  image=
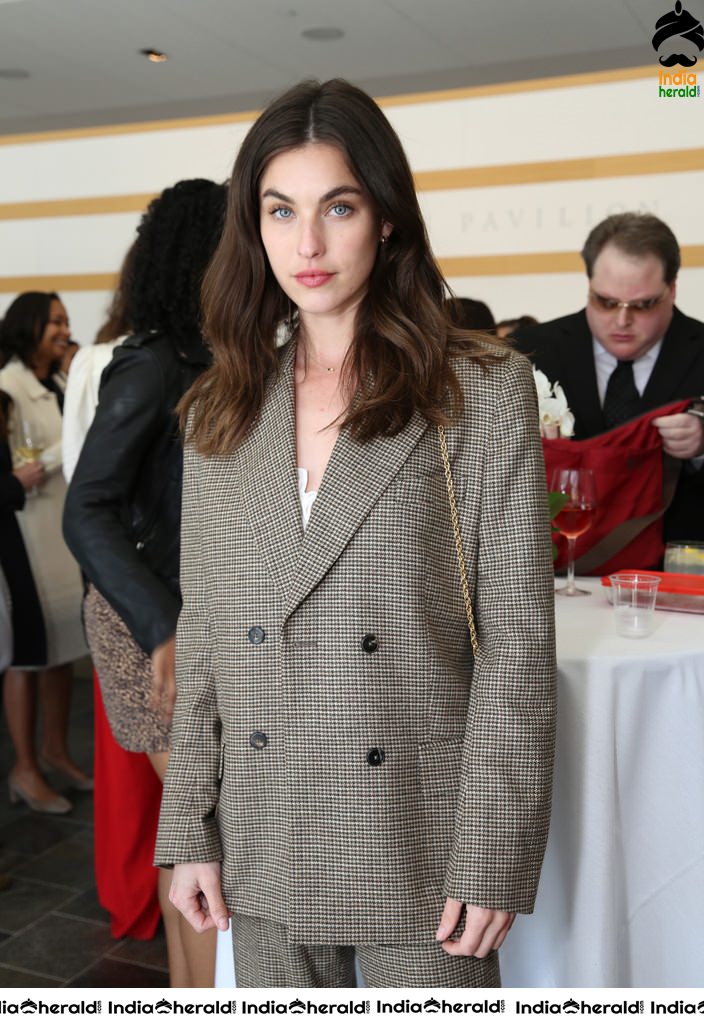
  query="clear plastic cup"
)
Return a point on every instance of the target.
[
  {"x": 634, "y": 596},
  {"x": 685, "y": 556}
]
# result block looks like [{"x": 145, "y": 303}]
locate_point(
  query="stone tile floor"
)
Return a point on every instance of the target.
[{"x": 53, "y": 932}]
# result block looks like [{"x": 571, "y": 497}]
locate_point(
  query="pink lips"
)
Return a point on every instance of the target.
[{"x": 313, "y": 278}]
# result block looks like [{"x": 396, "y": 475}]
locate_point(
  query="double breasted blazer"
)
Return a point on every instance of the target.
[
  {"x": 335, "y": 745},
  {"x": 563, "y": 349}
]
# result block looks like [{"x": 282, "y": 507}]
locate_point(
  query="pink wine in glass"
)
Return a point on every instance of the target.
[
  {"x": 574, "y": 520},
  {"x": 575, "y": 517}
]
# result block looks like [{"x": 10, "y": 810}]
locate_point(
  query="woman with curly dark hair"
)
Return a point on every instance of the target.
[
  {"x": 122, "y": 516},
  {"x": 33, "y": 338},
  {"x": 362, "y": 746}
]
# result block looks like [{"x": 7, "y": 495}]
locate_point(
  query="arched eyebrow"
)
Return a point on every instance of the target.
[{"x": 334, "y": 193}]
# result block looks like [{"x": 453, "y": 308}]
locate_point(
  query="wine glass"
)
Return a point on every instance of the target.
[
  {"x": 575, "y": 517},
  {"x": 29, "y": 447}
]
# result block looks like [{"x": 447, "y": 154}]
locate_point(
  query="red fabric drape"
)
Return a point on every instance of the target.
[{"x": 628, "y": 476}]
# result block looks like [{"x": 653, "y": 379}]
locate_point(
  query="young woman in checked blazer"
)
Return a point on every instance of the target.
[{"x": 345, "y": 773}]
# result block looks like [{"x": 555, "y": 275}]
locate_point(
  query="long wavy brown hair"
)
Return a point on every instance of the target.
[{"x": 399, "y": 360}]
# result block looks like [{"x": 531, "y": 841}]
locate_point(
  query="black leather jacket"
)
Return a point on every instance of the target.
[{"x": 122, "y": 516}]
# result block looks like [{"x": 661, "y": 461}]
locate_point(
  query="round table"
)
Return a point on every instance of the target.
[{"x": 621, "y": 896}]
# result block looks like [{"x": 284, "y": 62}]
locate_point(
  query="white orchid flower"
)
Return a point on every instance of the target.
[
  {"x": 567, "y": 424},
  {"x": 556, "y": 420},
  {"x": 542, "y": 384},
  {"x": 551, "y": 409},
  {"x": 559, "y": 394}
]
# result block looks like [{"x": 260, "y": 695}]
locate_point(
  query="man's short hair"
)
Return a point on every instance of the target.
[{"x": 635, "y": 234}]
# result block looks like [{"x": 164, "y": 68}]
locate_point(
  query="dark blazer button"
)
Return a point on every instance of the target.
[
  {"x": 258, "y": 740},
  {"x": 375, "y": 757},
  {"x": 256, "y": 635},
  {"x": 370, "y": 643}
]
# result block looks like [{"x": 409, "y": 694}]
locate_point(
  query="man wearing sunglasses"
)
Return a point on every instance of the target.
[{"x": 632, "y": 350}]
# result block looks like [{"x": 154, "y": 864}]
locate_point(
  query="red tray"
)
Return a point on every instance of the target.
[{"x": 678, "y": 592}]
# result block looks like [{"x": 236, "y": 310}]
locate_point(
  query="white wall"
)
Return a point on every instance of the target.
[{"x": 615, "y": 118}]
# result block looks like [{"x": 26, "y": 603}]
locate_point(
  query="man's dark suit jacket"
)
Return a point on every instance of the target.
[{"x": 563, "y": 350}]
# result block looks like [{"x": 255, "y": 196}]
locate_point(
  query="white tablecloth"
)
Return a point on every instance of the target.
[{"x": 621, "y": 899}]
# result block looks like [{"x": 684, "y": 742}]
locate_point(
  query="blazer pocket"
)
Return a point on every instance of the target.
[
  {"x": 439, "y": 766},
  {"x": 419, "y": 488}
]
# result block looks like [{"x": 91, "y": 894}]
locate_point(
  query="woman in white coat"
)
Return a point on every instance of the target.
[{"x": 34, "y": 334}]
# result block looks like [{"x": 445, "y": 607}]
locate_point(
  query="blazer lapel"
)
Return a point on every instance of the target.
[
  {"x": 680, "y": 350},
  {"x": 355, "y": 477},
  {"x": 266, "y": 461},
  {"x": 579, "y": 381}
]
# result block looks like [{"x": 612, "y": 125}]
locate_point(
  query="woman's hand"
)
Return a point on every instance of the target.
[
  {"x": 484, "y": 929},
  {"x": 164, "y": 678},
  {"x": 30, "y": 475},
  {"x": 195, "y": 891}
]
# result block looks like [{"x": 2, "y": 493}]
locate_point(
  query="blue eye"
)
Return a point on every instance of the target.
[
  {"x": 282, "y": 213},
  {"x": 340, "y": 209}
]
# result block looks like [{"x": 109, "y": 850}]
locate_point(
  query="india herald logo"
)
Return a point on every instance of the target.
[{"x": 678, "y": 39}]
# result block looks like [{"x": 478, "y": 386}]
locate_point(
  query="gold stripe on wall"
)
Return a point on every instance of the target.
[
  {"x": 59, "y": 283},
  {"x": 526, "y": 85},
  {"x": 503, "y": 264},
  {"x": 498, "y": 265},
  {"x": 406, "y": 99},
  {"x": 673, "y": 161},
  {"x": 132, "y": 128},
  {"x": 518, "y": 264},
  {"x": 76, "y": 207}
]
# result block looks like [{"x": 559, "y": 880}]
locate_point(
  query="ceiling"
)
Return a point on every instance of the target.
[{"x": 75, "y": 63}]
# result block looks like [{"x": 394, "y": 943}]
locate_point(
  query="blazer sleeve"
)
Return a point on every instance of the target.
[
  {"x": 129, "y": 418},
  {"x": 188, "y": 830},
  {"x": 503, "y": 809}
]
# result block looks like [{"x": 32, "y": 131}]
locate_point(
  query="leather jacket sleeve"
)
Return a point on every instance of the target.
[{"x": 134, "y": 420}]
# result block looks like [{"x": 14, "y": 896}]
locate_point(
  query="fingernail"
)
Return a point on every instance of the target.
[
  {"x": 222, "y": 924},
  {"x": 441, "y": 933}
]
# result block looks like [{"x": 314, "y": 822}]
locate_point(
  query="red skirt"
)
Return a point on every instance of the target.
[{"x": 126, "y": 799}]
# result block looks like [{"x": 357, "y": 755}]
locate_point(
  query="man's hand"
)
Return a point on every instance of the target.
[
  {"x": 30, "y": 475},
  {"x": 682, "y": 435},
  {"x": 195, "y": 891},
  {"x": 484, "y": 929},
  {"x": 164, "y": 676}
]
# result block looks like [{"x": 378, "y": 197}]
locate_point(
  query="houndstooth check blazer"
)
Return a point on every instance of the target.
[{"x": 334, "y": 744}]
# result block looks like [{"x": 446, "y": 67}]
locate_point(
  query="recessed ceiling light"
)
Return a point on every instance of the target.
[
  {"x": 155, "y": 56},
  {"x": 323, "y": 34},
  {"x": 14, "y": 73}
]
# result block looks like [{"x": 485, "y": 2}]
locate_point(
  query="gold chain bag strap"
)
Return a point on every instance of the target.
[{"x": 458, "y": 541}]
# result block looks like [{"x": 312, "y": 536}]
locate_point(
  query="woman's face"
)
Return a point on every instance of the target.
[
  {"x": 54, "y": 340},
  {"x": 320, "y": 230}
]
